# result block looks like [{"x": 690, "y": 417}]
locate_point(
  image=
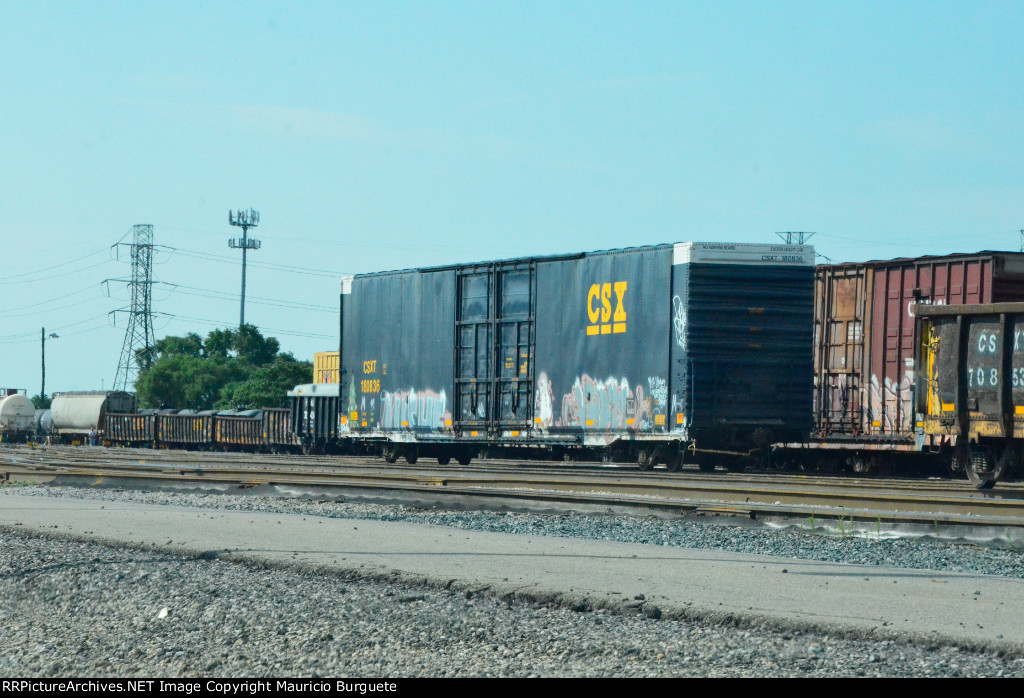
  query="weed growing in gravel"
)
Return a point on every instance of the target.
[
  {"x": 842, "y": 528},
  {"x": 878, "y": 528},
  {"x": 811, "y": 519}
]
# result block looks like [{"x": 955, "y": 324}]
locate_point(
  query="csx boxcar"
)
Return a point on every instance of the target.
[
  {"x": 656, "y": 354},
  {"x": 971, "y": 395}
]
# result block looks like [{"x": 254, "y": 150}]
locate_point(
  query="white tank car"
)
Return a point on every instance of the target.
[
  {"x": 17, "y": 415},
  {"x": 76, "y": 414}
]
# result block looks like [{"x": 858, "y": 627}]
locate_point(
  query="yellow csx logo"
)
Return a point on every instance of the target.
[{"x": 599, "y": 308}]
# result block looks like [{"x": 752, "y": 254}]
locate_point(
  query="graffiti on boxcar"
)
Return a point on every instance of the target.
[
  {"x": 608, "y": 404},
  {"x": 659, "y": 394},
  {"x": 412, "y": 409},
  {"x": 677, "y": 409},
  {"x": 679, "y": 321},
  {"x": 659, "y": 391},
  {"x": 544, "y": 403},
  {"x": 891, "y": 402}
]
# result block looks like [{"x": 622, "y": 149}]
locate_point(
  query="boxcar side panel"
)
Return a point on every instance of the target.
[
  {"x": 841, "y": 336},
  {"x": 397, "y": 357},
  {"x": 892, "y": 367},
  {"x": 603, "y": 332}
]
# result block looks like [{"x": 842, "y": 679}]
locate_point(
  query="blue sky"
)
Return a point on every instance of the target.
[{"x": 382, "y": 135}]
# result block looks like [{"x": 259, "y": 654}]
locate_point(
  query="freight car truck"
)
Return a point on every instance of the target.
[
  {"x": 664, "y": 354},
  {"x": 971, "y": 394}
]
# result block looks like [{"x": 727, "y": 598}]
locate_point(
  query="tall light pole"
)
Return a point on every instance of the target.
[
  {"x": 244, "y": 220},
  {"x": 42, "y": 339}
]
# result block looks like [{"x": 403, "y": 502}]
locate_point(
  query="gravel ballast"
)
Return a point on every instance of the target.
[
  {"x": 73, "y": 608},
  {"x": 883, "y": 550}
]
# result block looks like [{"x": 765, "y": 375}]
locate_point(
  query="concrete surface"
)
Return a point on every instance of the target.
[{"x": 966, "y": 609}]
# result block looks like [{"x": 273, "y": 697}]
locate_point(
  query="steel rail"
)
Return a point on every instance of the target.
[
  {"x": 856, "y": 500},
  {"x": 235, "y": 462}
]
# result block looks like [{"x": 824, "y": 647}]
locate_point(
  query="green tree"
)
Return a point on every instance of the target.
[
  {"x": 189, "y": 345},
  {"x": 251, "y": 346},
  {"x": 41, "y": 402},
  {"x": 219, "y": 343},
  {"x": 186, "y": 382},
  {"x": 266, "y": 386},
  {"x": 227, "y": 369}
]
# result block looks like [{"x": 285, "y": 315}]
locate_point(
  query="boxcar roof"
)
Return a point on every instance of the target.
[{"x": 927, "y": 258}]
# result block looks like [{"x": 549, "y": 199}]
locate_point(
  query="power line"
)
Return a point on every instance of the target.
[
  {"x": 264, "y": 265},
  {"x": 55, "y": 276},
  {"x": 50, "y": 310},
  {"x": 33, "y": 333},
  {"x": 9, "y": 312},
  {"x": 258, "y": 300},
  {"x": 37, "y": 271},
  {"x": 221, "y": 323}
]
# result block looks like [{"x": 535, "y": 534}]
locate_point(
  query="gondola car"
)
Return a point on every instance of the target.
[{"x": 970, "y": 394}]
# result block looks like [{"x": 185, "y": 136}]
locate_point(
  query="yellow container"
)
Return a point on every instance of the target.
[{"x": 325, "y": 367}]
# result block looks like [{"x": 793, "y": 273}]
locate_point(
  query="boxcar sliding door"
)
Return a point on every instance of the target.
[{"x": 494, "y": 348}]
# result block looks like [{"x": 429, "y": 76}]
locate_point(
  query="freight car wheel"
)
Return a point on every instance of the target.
[
  {"x": 736, "y": 466},
  {"x": 390, "y": 454},
  {"x": 411, "y": 457},
  {"x": 706, "y": 465},
  {"x": 645, "y": 459},
  {"x": 985, "y": 465},
  {"x": 464, "y": 460},
  {"x": 675, "y": 463},
  {"x": 444, "y": 460}
]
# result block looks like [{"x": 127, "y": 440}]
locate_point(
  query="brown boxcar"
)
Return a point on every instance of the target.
[{"x": 864, "y": 337}]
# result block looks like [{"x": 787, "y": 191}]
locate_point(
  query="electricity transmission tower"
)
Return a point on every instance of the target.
[
  {"x": 798, "y": 237},
  {"x": 139, "y": 334},
  {"x": 244, "y": 220}
]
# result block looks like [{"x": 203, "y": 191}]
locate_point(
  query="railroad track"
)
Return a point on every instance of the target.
[{"x": 758, "y": 495}]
